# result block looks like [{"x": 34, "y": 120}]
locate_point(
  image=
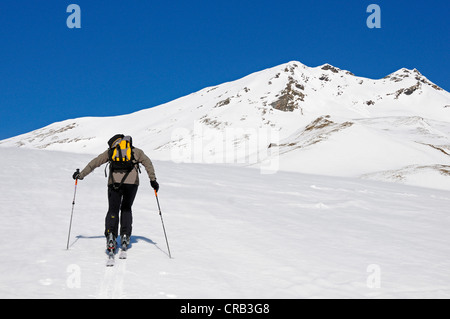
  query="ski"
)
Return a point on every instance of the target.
[
  {"x": 111, "y": 260},
  {"x": 123, "y": 251},
  {"x": 123, "y": 254},
  {"x": 111, "y": 249}
]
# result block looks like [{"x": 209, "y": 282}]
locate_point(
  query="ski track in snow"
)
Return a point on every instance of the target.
[
  {"x": 112, "y": 282},
  {"x": 233, "y": 233}
]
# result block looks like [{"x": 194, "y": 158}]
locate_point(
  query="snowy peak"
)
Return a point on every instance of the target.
[
  {"x": 325, "y": 90},
  {"x": 333, "y": 69},
  {"x": 411, "y": 76}
]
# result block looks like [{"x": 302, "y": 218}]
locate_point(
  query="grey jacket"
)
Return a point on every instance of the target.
[{"x": 133, "y": 177}]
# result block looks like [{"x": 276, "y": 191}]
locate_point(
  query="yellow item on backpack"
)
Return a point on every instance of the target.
[{"x": 122, "y": 151}]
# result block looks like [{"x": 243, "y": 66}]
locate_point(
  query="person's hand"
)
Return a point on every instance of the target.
[
  {"x": 155, "y": 185},
  {"x": 76, "y": 175}
]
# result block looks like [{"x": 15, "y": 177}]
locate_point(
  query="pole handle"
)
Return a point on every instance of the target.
[{"x": 76, "y": 180}]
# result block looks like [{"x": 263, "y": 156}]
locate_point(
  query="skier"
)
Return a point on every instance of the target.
[{"x": 123, "y": 182}]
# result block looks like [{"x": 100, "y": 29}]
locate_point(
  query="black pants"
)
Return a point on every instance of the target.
[{"x": 120, "y": 201}]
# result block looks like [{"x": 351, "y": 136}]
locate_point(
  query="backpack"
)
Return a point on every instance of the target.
[
  {"x": 121, "y": 157},
  {"x": 120, "y": 153}
]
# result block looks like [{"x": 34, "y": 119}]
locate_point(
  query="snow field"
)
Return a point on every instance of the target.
[{"x": 233, "y": 233}]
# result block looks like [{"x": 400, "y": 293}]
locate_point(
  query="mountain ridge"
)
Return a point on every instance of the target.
[{"x": 270, "y": 113}]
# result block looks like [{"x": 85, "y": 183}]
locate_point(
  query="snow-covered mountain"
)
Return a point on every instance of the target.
[
  {"x": 234, "y": 232},
  {"x": 320, "y": 120}
]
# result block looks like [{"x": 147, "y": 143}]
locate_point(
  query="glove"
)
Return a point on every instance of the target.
[
  {"x": 155, "y": 185},
  {"x": 76, "y": 175}
]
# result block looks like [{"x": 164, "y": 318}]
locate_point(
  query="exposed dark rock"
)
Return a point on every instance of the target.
[
  {"x": 290, "y": 96},
  {"x": 223, "y": 102},
  {"x": 330, "y": 67}
]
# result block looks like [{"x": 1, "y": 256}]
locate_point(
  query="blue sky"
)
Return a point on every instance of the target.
[{"x": 130, "y": 55}]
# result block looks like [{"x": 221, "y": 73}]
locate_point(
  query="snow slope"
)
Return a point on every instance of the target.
[
  {"x": 410, "y": 150},
  {"x": 320, "y": 120},
  {"x": 233, "y": 233}
]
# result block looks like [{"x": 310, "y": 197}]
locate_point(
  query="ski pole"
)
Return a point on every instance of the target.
[
  {"x": 73, "y": 205},
  {"x": 162, "y": 221}
]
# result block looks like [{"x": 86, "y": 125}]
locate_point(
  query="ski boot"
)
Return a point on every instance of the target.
[
  {"x": 125, "y": 242},
  {"x": 110, "y": 243}
]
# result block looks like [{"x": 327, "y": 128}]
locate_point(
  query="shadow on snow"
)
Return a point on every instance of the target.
[{"x": 133, "y": 240}]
